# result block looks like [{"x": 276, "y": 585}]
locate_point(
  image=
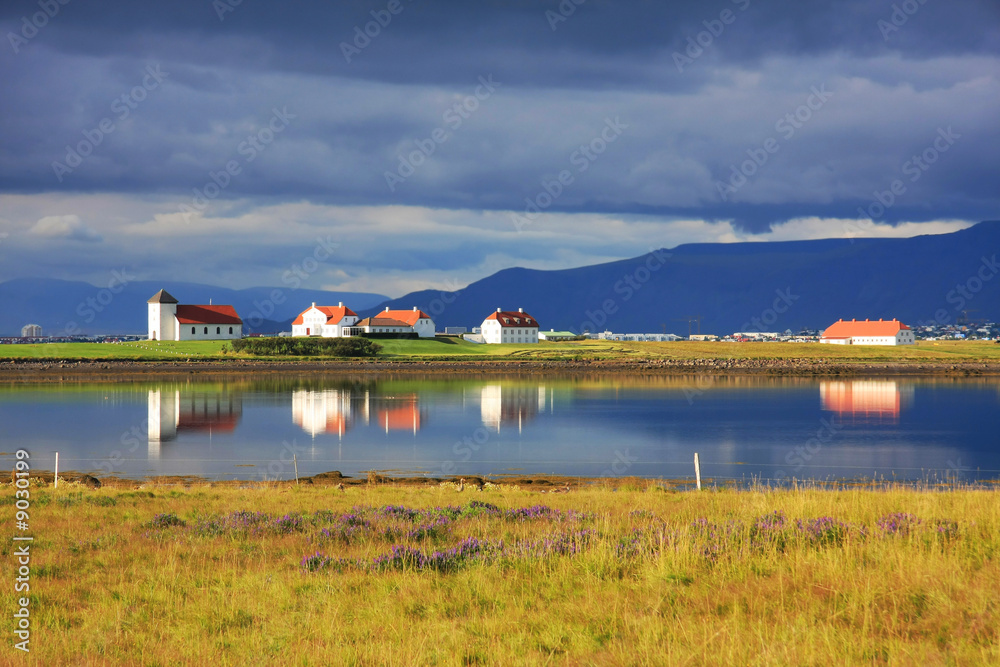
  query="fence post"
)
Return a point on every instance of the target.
[
  {"x": 55, "y": 479},
  {"x": 295, "y": 461},
  {"x": 697, "y": 470}
]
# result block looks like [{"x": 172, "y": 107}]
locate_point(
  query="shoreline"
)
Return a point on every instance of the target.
[{"x": 90, "y": 369}]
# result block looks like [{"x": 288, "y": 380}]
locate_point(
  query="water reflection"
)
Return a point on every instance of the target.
[
  {"x": 327, "y": 411},
  {"x": 338, "y": 410},
  {"x": 866, "y": 401},
  {"x": 173, "y": 411},
  {"x": 509, "y": 405}
]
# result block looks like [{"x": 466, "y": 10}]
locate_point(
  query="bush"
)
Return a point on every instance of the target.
[{"x": 307, "y": 347}]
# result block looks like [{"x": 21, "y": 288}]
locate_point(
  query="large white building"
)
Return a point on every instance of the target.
[
  {"x": 170, "y": 320},
  {"x": 868, "y": 332},
  {"x": 418, "y": 319},
  {"x": 325, "y": 321},
  {"x": 31, "y": 331},
  {"x": 506, "y": 326}
]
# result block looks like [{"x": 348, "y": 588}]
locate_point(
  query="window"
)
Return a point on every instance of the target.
[
  {"x": 218, "y": 330},
  {"x": 206, "y": 330},
  {"x": 230, "y": 330},
  {"x": 192, "y": 329}
]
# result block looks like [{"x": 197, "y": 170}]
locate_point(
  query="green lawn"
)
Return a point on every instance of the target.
[{"x": 455, "y": 349}]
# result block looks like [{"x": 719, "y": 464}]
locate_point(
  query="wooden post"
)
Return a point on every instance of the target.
[
  {"x": 295, "y": 460},
  {"x": 55, "y": 479},
  {"x": 697, "y": 470}
]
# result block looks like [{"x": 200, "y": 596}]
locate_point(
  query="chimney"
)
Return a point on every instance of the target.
[
  {"x": 387, "y": 309},
  {"x": 314, "y": 304},
  {"x": 414, "y": 309},
  {"x": 520, "y": 310},
  {"x": 498, "y": 310}
]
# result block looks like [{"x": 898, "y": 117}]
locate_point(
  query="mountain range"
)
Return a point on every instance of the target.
[{"x": 712, "y": 287}]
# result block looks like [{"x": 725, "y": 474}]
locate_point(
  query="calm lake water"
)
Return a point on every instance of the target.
[{"x": 741, "y": 427}]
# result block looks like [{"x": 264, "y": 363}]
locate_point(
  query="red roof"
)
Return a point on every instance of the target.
[
  {"x": 207, "y": 315},
  {"x": 852, "y": 328},
  {"x": 379, "y": 321},
  {"x": 408, "y": 316},
  {"x": 334, "y": 314},
  {"x": 513, "y": 318}
]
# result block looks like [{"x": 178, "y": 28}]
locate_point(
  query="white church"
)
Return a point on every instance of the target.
[{"x": 170, "y": 320}]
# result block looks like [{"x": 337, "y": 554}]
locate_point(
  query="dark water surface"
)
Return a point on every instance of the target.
[{"x": 742, "y": 427}]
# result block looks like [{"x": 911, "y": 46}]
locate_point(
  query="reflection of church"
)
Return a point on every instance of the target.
[
  {"x": 337, "y": 410},
  {"x": 865, "y": 401},
  {"x": 175, "y": 411},
  {"x": 507, "y": 405}
]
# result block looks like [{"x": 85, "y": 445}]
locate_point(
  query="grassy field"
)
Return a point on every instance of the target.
[
  {"x": 379, "y": 575},
  {"x": 453, "y": 349}
]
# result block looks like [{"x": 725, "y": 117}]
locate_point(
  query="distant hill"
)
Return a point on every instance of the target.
[
  {"x": 787, "y": 285},
  {"x": 59, "y": 304}
]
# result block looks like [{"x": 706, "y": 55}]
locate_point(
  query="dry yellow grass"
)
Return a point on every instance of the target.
[{"x": 697, "y": 584}]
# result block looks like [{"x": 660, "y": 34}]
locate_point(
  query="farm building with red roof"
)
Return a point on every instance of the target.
[
  {"x": 508, "y": 326},
  {"x": 418, "y": 319},
  {"x": 170, "y": 320},
  {"x": 325, "y": 321},
  {"x": 868, "y": 332}
]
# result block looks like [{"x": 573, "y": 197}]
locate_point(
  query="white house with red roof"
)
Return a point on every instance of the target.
[
  {"x": 418, "y": 319},
  {"x": 380, "y": 324},
  {"x": 868, "y": 332},
  {"x": 325, "y": 321},
  {"x": 507, "y": 326},
  {"x": 171, "y": 320}
]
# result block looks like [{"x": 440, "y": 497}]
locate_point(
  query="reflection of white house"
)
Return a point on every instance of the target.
[
  {"x": 505, "y": 326},
  {"x": 868, "y": 332},
  {"x": 865, "y": 400},
  {"x": 418, "y": 319},
  {"x": 325, "y": 321},
  {"x": 171, "y": 412},
  {"x": 169, "y": 320},
  {"x": 327, "y": 411},
  {"x": 510, "y": 404}
]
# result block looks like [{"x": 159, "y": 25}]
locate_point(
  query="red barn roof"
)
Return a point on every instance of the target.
[
  {"x": 513, "y": 318},
  {"x": 408, "y": 316},
  {"x": 333, "y": 314},
  {"x": 207, "y": 315},
  {"x": 852, "y": 328}
]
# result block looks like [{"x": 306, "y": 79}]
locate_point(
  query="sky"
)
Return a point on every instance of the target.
[{"x": 395, "y": 145}]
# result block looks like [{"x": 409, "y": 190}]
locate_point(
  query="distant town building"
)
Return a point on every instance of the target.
[
  {"x": 31, "y": 331},
  {"x": 170, "y": 320},
  {"x": 868, "y": 332},
  {"x": 325, "y": 321},
  {"x": 455, "y": 331},
  {"x": 703, "y": 337},
  {"x": 507, "y": 326},
  {"x": 552, "y": 334},
  {"x": 420, "y": 321}
]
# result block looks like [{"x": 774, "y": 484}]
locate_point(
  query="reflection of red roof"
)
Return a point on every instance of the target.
[
  {"x": 399, "y": 419},
  {"x": 334, "y": 314},
  {"x": 510, "y": 318},
  {"x": 864, "y": 397},
  {"x": 845, "y": 329},
  {"x": 410, "y": 317},
  {"x": 208, "y": 423},
  {"x": 207, "y": 315}
]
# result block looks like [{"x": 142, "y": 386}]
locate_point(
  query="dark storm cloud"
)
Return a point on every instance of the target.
[{"x": 899, "y": 73}]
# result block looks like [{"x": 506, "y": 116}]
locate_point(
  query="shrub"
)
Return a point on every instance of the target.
[{"x": 307, "y": 347}]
